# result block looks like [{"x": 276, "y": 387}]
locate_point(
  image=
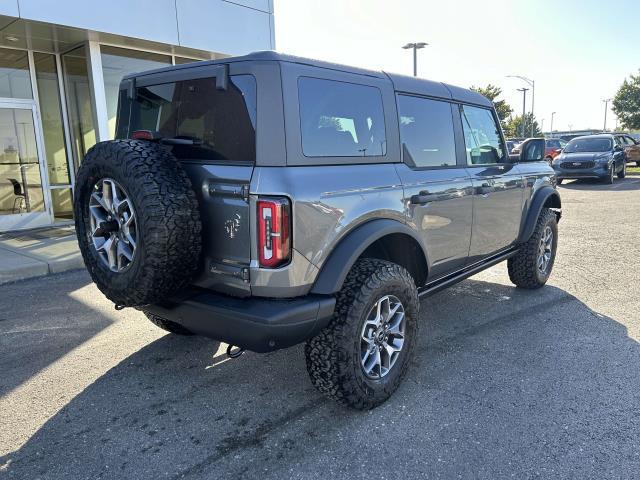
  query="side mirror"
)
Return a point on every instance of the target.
[{"x": 532, "y": 150}]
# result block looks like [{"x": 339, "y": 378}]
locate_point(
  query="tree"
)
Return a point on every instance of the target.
[
  {"x": 626, "y": 103},
  {"x": 502, "y": 107},
  {"x": 513, "y": 127}
]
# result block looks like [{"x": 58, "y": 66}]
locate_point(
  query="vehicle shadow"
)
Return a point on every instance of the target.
[
  {"x": 631, "y": 182},
  {"x": 39, "y": 325},
  {"x": 500, "y": 377}
]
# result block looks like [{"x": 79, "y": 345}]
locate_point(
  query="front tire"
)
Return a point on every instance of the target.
[
  {"x": 623, "y": 173},
  {"x": 361, "y": 357},
  {"x": 611, "y": 175},
  {"x": 531, "y": 266}
]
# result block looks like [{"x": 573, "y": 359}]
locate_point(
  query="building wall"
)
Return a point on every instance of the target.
[{"x": 234, "y": 27}]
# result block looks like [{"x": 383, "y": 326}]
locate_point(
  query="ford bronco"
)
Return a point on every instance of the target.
[{"x": 269, "y": 200}]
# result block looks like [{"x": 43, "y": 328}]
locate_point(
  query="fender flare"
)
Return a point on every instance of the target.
[
  {"x": 535, "y": 207},
  {"x": 335, "y": 269}
]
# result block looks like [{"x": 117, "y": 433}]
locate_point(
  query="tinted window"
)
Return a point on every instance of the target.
[
  {"x": 630, "y": 141},
  {"x": 339, "y": 119},
  {"x": 221, "y": 123},
  {"x": 426, "y": 132},
  {"x": 553, "y": 143},
  {"x": 588, "y": 145},
  {"x": 481, "y": 136}
]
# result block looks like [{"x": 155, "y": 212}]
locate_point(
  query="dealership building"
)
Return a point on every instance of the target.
[{"x": 60, "y": 66}]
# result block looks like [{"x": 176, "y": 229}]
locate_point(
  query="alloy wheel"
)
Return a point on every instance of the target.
[
  {"x": 545, "y": 250},
  {"x": 382, "y": 337},
  {"x": 114, "y": 230}
]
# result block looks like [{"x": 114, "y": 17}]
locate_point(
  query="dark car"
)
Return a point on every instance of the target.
[
  {"x": 269, "y": 200},
  {"x": 594, "y": 156}
]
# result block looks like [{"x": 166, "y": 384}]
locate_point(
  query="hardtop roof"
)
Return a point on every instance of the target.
[{"x": 401, "y": 83}]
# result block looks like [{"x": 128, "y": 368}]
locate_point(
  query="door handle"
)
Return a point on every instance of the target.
[{"x": 421, "y": 198}]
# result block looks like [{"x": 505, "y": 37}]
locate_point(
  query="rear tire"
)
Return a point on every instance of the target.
[
  {"x": 524, "y": 268},
  {"x": 559, "y": 181},
  {"x": 167, "y": 325},
  {"x": 338, "y": 357}
]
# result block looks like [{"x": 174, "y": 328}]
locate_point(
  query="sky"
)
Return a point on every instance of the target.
[{"x": 577, "y": 52}]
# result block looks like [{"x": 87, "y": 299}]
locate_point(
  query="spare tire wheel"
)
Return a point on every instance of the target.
[{"x": 137, "y": 221}]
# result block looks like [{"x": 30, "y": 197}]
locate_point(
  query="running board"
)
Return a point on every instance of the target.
[{"x": 456, "y": 277}]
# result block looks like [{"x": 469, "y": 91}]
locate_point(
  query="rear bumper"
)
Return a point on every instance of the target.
[{"x": 254, "y": 323}]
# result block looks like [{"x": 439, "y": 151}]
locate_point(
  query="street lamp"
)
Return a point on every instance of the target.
[
  {"x": 415, "y": 47},
  {"x": 552, "y": 115},
  {"x": 606, "y": 107},
  {"x": 532, "y": 83},
  {"x": 524, "y": 107}
]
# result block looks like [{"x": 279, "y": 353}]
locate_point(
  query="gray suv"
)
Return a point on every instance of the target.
[{"x": 269, "y": 200}]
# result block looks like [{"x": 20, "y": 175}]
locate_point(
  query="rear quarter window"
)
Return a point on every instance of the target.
[
  {"x": 220, "y": 123},
  {"x": 340, "y": 119}
]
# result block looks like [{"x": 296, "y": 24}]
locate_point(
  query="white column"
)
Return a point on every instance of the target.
[{"x": 98, "y": 96}]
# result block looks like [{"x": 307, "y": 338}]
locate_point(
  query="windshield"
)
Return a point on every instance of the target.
[{"x": 588, "y": 145}]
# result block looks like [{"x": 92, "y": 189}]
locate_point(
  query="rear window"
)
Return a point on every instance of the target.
[
  {"x": 340, "y": 119},
  {"x": 219, "y": 124}
]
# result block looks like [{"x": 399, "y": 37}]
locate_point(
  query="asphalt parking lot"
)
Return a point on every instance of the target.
[{"x": 505, "y": 383}]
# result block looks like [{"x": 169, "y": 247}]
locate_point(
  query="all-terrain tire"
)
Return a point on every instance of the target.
[
  {"x": 523, "y": 267},
  {"x": 168, "y": 325},
  {"x": 333, "y": 356},
  {"x": 169, "y": 243}
]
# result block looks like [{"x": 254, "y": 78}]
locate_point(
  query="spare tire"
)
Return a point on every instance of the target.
[{"x": 137, "y": 221}]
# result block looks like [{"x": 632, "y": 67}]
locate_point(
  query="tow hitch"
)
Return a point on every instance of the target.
[{"x": 231, "y": 353}]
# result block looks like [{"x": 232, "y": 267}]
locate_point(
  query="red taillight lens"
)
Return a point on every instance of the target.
[
  {"x": 274, "y": 232},
  {"x": 142, "y": 135}
]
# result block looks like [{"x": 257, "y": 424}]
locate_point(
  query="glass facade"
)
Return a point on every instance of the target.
[
  {"x": 118, "y": 62},
  {"x": 15, "y": 81},
  {"x": 51, "y": 115},
  {"x": 79, "y": 104},
  {"x": 48, "y": 123}
]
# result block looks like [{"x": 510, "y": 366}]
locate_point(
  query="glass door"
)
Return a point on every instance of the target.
[{"x": 23, "y": 202}]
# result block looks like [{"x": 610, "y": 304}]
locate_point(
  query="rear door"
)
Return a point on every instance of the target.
[
  {"x": 437, "y": 189},
  {"x": 497, "y": 184},
  {"x": 207, "y": 119}
]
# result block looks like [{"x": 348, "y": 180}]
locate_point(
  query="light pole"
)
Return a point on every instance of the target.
[
  {"x": 542, "y": 126},
  {"x": 606, "y": 107},
  {"x": 524, "y": 107},
  {"x": 415, "y": 47},
  {"x": 532, "y": 83},
  {"x": 552, "y": 115}
]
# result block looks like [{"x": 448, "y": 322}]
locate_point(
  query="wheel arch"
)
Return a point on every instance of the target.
[
  {"x": 546, "y": 197},
  {"x": 383, "y": 239}
]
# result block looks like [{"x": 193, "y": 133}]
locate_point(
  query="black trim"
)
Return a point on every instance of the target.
[
  {"x": 344, "y": 255},
  {"x": 533, "y": 212},
  {"x": 255, "y": 323},
  {"x": 466, "y": 272}
]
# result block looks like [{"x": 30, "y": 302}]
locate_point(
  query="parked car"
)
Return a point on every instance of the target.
[
  {"x": 553, "y": 147},
  {"x": 631, "y": 148},
  {"x": 594, "y": 156},
  {"x": 269, "y": 200},
  {"x": 510, "y": 145}
]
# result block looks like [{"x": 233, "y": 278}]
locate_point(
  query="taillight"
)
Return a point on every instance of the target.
[
  {"x": 274, "y": 232},
  {"x": 142, "y": 135}
]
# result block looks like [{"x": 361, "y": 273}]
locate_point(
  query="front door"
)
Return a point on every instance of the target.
[
  {"x": 23, "y": 199},
  {"x": 497, "y": 184}
]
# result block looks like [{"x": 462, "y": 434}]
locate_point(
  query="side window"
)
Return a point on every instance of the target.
[
  {"x": 629, "y": 141},
  {"x": 481, "y": 136},
  {"x": 426, "y": 132},
  {"x": 339, "y": 119}
]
